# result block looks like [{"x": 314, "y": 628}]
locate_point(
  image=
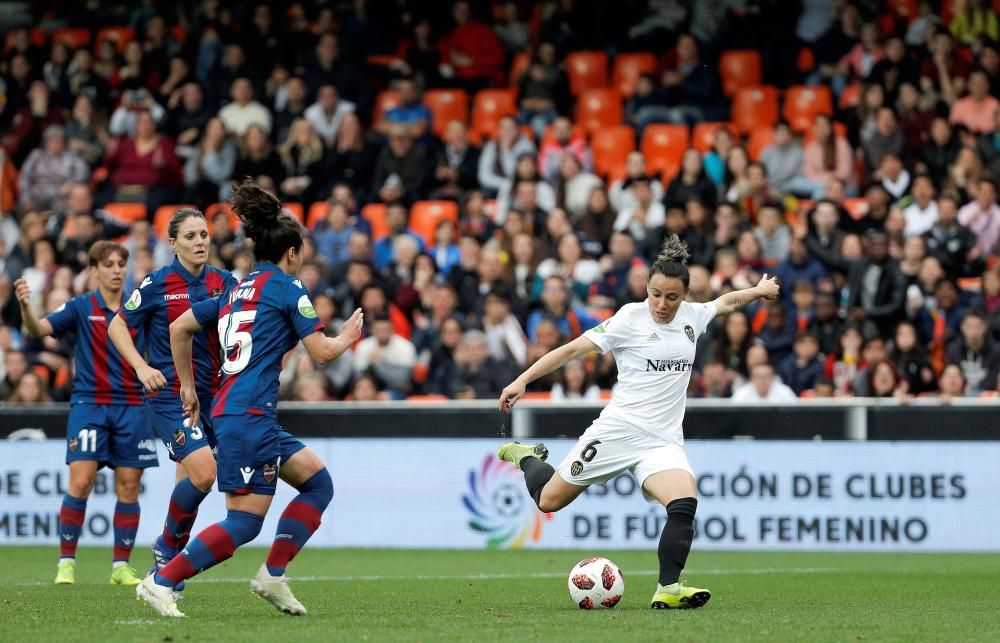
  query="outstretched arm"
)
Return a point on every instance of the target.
[
  {"x": 182, "y": 332},
  {"x": 548, "y": 363},
  {"x": 766, "y": 288},
  {"x": 36, "y": 327},
  {"x": 323, "y": 349}
]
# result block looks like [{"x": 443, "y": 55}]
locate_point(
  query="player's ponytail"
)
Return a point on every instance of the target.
[
  {"x": 273, "y": 232},
  {"x": 672, "y": 260}
]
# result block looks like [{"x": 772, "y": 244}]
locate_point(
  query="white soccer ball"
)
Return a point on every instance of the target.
[{"x": 596, "y": 583}]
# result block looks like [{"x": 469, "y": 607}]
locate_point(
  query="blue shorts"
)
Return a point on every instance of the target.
[
  {"x": 251, "y": 450},
  {"x": 167, "y": 417},
  {"x": 115, "y": 435}
]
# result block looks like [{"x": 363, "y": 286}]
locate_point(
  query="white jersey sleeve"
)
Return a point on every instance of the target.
[
  {"x": 613, "y": 331},
  {"x": 703, "y": 315}
]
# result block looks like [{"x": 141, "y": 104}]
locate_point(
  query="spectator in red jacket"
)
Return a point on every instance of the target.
[
  {"x": 472, "y": 51},
  {"x": 143, "y": 168}
]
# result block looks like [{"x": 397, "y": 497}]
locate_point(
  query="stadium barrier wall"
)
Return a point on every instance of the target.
[
  {"x": 838, "y": 419},
  {"x": 454, "y": 493}
]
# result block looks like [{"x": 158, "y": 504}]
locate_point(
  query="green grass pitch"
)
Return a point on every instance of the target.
[{"x": 383, "y": 595}]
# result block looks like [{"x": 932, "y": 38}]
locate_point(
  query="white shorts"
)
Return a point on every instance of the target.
[{"x": 603, "y": 452}]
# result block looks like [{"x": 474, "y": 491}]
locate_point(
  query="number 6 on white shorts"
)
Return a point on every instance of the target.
[{"x": 589, "y": 451}]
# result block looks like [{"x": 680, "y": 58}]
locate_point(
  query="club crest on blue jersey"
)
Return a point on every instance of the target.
[
  {"x": 269, "y": 472},
  {"x": 180, "y": 437}
]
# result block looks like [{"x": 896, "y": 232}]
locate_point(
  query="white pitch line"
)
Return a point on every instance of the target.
[{"x": 644, "y": 572}]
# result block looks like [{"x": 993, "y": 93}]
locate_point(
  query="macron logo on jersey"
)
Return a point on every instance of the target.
[{"x": 176, "y": 295}]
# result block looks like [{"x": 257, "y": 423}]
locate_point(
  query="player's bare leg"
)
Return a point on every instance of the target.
[
  {"x": 306, "y": 472},
  {"x": 676, "y": 490},
  {"x": 550, "y": 492},
  {"x": 82, "y": 475},
  {"x": 126, "y": 525}
]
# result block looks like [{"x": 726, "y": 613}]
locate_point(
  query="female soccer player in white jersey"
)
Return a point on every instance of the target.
[{"x": 653, "y": 343}]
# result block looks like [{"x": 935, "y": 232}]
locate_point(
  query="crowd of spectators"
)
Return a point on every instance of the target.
[{"x": 881, "y": 220}]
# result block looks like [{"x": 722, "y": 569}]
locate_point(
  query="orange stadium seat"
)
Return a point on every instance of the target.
[
  {"x": 517, "y": 66},
  {"x": 806, "y": 60},
  {"x": 426, "y": 215},
  {"x": 703, "y": 135},
  {"x": 760, "y": 138},
  {"x": 297, "y": 211},
  {"x": 121, "y": 36},
  {"x": 627, "y": 69},
  {"x": 446, "y": 105},
  {"x": 857, "y": 207},
  {"x": 385, "y": 101},
  {"x": 548, "y": 134},
  {"x": 597, "y": 108},
  {"x": 488, "y": 107},
  {"x": 127, "y": 211},
  {"x": 161, "y": 218},
  {"x": 850, "y": 97},
  {"x": 803, "y": 102},
  {"x": 739, "y": 69},
  {"x": 754, "y": 107},
  {"x": 375, "y": 215},
  {"x": 663, "y": 145},
  {"x": 431, "y": 398},
  {"x": 610, "y": 148},
  {"x": 215, "y": 208},
  {"x": 586, "y": 70},
  {"x": 381, "y": 60},
  {"x": 317, "y": 212},
  {"x": 74, "y": 38},
  {"x": 36, "y": 36}
]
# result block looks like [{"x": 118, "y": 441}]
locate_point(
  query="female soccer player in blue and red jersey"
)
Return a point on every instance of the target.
[
  {"x": 108, "y": 425},
  {"x": 162, "y": 297},
  {"x": 259, "y": 321}
]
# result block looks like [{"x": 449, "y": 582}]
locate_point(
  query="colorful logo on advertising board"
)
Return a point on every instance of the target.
[{"x": 500, "y": 506}]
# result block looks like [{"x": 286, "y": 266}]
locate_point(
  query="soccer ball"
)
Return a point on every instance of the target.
[{"x": 596, "y": 583}]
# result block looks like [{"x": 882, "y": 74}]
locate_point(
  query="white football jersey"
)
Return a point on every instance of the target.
[{"x": 654, "y": 366}]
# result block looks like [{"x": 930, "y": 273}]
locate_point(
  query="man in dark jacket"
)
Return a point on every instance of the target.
[
  {"x": 401, "y": 172},
  {"x": 474, "y": 374},
  {"x": 875, "y": 289},
  {"x": 975, "y": 352},
  {"x": 800, "y": 266},
  {"x": 954, "y": 245},
  {"x": 456, "y": 163}
]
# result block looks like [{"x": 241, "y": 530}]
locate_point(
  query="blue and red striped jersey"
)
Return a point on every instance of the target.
[
  {"x": 102, "y": 376},
  {"x": 259, "y": 321},
  {"x": 162, "y": 297}
]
